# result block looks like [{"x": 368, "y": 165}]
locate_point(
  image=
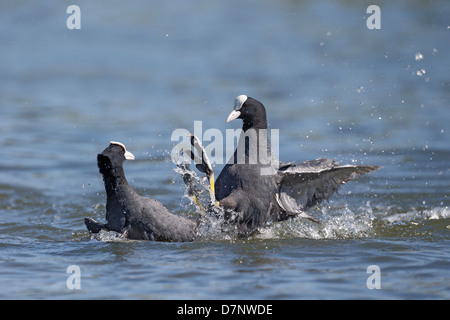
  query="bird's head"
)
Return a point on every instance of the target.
[
  {"x": 115, "y": 154},
  {"x": 251, "y": 111}
]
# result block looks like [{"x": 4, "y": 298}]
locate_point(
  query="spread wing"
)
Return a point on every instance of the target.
[{"x": 308, "y": 183}]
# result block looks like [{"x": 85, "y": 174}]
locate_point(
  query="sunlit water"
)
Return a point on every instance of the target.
[{"x": 137, "y": 71}]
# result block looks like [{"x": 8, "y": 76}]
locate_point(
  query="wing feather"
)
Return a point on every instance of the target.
[{"x": 308, "y": 183}]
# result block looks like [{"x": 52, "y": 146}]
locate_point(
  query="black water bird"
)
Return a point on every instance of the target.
[
  {"x": 257, "y": 186},
  {"x": 130, "y": 214}
]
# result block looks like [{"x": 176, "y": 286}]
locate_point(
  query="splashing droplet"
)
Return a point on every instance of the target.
[
  {"x": 421, "y": 72},
  {"x": 419, "y": 56}
]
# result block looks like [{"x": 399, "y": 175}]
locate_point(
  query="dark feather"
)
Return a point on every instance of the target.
[{"x": 308, "y": 183}]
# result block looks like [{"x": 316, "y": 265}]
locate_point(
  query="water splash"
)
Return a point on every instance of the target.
[
  {"x": 335, "y": 222},
  {"x": 110, "y": 236},
  {"x": 338, "y": 220}
]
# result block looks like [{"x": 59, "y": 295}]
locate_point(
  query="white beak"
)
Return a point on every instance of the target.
[
  {"x": 128, "y": 155},
  {"x": 233, "y": 115}
]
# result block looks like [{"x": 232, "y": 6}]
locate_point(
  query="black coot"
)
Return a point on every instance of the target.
[
  {"x": 129, "y": 213},
  {"x": 258, "y": 186}
]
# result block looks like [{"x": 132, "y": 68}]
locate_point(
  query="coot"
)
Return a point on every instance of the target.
[
  {"x": 127, "y": 212},
  {"x": 258, "y": 186}
]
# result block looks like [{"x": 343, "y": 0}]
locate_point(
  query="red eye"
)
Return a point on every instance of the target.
[{"x": 120, "y": 151}]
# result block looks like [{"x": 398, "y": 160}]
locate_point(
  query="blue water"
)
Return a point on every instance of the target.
[{"x": 138, "y": 70}]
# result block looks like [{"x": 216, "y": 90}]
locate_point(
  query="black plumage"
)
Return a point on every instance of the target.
[
  {"x": 127, "y": 212},
  {"x": 258, "y": 186},
  {"x": 247, "y": 183}
]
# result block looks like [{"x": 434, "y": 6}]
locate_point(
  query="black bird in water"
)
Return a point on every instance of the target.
[
  {"x": 128, "y": 213},
  {"x": 257, "y": 186}
]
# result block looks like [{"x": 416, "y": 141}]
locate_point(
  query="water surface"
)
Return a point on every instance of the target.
[{"x": 136, "y": 71}]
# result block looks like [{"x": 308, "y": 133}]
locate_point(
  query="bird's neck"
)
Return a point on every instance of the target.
[
  {"x": 254, "y": 147},
  {"x": 255, "y": 123},
  {"x": 114, "y": 179}
]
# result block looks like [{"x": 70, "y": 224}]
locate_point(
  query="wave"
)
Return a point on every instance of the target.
[{"x": 415, "y": 215}]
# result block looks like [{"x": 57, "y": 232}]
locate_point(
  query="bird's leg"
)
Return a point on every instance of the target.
[
  {"x": 189, "y": 181},
  {"x": 212, "y": 193},
  {"x": 204, "y": 165}
]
